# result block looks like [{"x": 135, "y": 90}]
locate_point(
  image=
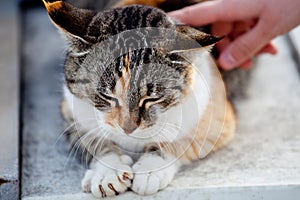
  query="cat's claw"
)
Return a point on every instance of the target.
[
  {"x": 152, "y": 174},
  {"x": 103, "y": 181},
  {"x": 111, "y": 184}
]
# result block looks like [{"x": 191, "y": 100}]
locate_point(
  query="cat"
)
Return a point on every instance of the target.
[{"x": 143, "y": 94}]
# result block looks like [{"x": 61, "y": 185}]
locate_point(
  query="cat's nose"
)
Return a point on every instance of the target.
[
  {"x": 129, "y": 130},
  {"x": 129, "y": 126}
]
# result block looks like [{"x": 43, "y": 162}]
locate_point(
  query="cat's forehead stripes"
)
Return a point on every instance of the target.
[
  {"x": 123, "y": 83},
  {"x": 127, "y": 59},
  {"x": 112, "y": 22},
  {"x": 135, "y": 75}
]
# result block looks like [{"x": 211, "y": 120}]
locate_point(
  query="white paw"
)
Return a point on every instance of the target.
[
  {"x": 152, "y": 173},
  {"x": 110, "y": 179}
]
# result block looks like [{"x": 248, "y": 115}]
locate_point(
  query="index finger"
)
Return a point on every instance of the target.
[
  {"x": 218, "y": 10},
  {"x": 198, "y": 14}
]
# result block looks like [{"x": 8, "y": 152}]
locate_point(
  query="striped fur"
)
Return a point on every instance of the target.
[{"x": 139, "y": 85}]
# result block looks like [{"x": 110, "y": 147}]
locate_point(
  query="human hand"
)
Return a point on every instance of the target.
[{"x": 249, "y": 25}]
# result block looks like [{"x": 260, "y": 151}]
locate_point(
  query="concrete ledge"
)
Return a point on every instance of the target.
[
  {"x": 9, "y": 101},
  {"x": 290, "y": 192},
  {"x": 262, "y": 162}
]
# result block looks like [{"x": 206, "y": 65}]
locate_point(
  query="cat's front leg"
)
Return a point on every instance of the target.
[
  {"x": 109, "y": 175},
  {"x": 153, "y": 172}
]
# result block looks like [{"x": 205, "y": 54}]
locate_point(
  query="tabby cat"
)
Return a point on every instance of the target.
[{"x": 143, "y": 94}]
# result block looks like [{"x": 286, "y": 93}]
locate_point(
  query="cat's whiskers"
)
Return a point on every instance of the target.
[
  {"x": 78, "y": 143},
  {"x": 172, "y": 131},
  {"x": 167, "y": 145},
  {"x": 157, "y": 142},
  {"x": 69, "y": 127},
  {"x": 165, "y": 131},
  {"x": 101, "y": 140},
  {"x": 118, "y": 127},
  {"x": 78, "y": 54},
  {"x": 85, "y": 153},
  {"x": 165, "y": 124},
  {"x": 88, "y": 147}
]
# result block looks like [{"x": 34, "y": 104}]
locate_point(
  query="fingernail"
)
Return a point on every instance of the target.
[{"x": 227, "y": 61}]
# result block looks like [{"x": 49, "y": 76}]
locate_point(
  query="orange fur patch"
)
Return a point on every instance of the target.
[
  {"x": 190, "y": 79},
  {"x": 54, "y": 6},
  {"x": 127, "y": 62},
  {"x": 111, "y": 116},
  {"x": 125, "y": 78},
  {"x": 205, "y": 138}
]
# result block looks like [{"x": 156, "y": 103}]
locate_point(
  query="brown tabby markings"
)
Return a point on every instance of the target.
[
  {"x": 109, "y": 118},
  {"x": 122, "y": 115},
  {"x": 125, "y": 78},
  {"x": 200, "y": 145}
]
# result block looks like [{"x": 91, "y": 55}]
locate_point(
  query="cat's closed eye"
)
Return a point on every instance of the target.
[
  {"x": 104, "y": 101},
  {"x": 146, "y": 102},
  {"x": 111, "y": 99}
]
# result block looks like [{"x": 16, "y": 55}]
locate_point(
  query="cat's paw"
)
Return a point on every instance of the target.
[
  {"x": 152, "y": 173},
  {"x": 108, "y": 180}
]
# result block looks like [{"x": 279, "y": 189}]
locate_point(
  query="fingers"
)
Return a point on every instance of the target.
[
  {"x": 244, "y": 47},
  {"x": 221, "y": 28},
  {"x": 233, "y": 32},
  {"x": 246, "y": 35},
  {"x": 219, "y": 10},
  {"x": 199, "y": 14},
  {"x": 247, "y": 65},
  {"x": 269, "y": 48}
]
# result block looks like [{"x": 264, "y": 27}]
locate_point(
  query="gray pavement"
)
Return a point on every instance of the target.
[
  {"x": 263, "y": 153},
  {"x": 47, "y": 168},
  {"x": 262, "y": 162},
  {"x": 9, "y": 102}
]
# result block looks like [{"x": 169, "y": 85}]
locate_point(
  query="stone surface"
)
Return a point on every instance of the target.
[
  {"x": 262, "y": 162},
  {"x": 9, "y": 101},
  {"x": 47, "y": 165}
]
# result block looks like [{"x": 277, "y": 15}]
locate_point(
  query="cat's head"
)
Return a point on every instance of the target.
[{"x": 128, "y": 81}]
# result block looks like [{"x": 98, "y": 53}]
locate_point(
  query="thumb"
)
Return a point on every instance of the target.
[{"x": 244, "y": 47}]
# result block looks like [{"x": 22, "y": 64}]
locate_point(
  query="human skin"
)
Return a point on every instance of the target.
[{"x": 248, "y": 26}]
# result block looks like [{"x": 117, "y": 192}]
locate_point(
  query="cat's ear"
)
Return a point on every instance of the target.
[
  {"x": 194, "y": 43},
  {"x": 203, "y": 39},
  {"x": 71, "y": 20}
]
